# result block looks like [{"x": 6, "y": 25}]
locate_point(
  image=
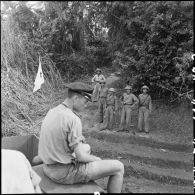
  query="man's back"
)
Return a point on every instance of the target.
[{"x": 58, "y": 129}]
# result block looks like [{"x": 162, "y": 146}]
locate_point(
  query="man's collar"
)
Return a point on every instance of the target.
[
  {"x": 75, "y": 112},
  {"x": 65, "y": 104}
]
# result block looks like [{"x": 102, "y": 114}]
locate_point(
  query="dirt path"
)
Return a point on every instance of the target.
[{"x": 152, "y": 163}]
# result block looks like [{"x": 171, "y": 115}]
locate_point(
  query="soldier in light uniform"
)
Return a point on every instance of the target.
[
  {"x": 129, "y": 101},
  {"x": 145, "y": 108},
  {"x": 96, "y": 83},
  {"x": 62, "y": 147},
  {"x": 111, "y": 109},
  {"x": 102, "y": 100}
]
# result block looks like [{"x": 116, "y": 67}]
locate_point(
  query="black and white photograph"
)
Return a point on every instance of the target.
[{"x": 97, "y": 97}]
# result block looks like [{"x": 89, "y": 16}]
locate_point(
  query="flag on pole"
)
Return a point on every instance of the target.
[{"x": 39, "y": 78}]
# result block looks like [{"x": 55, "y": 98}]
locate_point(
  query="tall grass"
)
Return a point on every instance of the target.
[{"x": 22, "y": 110}]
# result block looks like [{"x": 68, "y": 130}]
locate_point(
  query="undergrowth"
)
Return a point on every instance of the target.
[{"x": 22, "y": 110}]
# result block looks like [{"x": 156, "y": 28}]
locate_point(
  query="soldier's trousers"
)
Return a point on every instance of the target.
[
  {"x": 96, "y": 91},
  {"x": 125, "y": 117},
  {"x": 102, "y": 108},
  {"x": 109, "y": 117},
  {"x": 143, "y": 119}
]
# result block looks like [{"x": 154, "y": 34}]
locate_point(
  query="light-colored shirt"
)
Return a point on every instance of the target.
[
  {"x": 130, "y": 99},
  {"x": 61, "y": 131},
  {"x": 18, "y": 177},
  {"x": 111, "y": 100},
  {"x": 103, "y": 92},
  {"x": 145, "y": 100},
  {"x": 98, "y": 78}
]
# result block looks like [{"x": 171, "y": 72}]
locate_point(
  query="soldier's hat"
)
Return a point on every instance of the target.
[
  {"x": 98, "y": 70},
  {"x": 145, "y": 87},
  {"x": 111, "y": 90},
  {"x": 128, "y": 87},
  {"x": 83, "y": 89}
]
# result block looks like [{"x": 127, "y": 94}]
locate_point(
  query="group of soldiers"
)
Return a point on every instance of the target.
[{"x": 108, "y": 105}]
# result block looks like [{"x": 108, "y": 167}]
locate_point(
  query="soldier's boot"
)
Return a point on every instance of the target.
[{"x": 102, "y": 128}]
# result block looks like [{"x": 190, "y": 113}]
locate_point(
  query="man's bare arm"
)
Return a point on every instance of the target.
[{"x": 83, "y": 156}]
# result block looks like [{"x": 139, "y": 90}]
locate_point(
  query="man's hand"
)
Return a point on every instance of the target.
[{"x": 83, "y": 156}]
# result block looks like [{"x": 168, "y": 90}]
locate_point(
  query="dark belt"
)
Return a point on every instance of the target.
[{"x": 128, "y": 104}]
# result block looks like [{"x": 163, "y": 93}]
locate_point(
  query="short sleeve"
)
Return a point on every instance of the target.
[{"x": 75, "y": 134}]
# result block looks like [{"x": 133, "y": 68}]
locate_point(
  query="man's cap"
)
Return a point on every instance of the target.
[
  {"x": 80, "y": 87},
  {"x": 145, "y": 87},
  {"x": 98, "y": 69},
  {"x": 128, "y": 87},
  {"x": 112, "y": 90}
]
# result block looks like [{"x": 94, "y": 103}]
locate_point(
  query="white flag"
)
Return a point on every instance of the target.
[{"x": 39, "y": 78}]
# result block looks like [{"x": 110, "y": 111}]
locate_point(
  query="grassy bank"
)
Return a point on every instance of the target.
[{"x": 22, "y": 110}]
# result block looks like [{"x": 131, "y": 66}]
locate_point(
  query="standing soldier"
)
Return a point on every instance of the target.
[
  {"x": 145, "y": 108},
  {"x": 96, "y": 82},
  {"x": 129, "y": 102},
  {"x": 111, "y": 109},
  {"x": 102, "y": 100}
]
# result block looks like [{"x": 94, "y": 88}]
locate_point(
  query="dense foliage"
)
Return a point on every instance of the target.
[
  {"x": 63, "y": 32},
  {"x": 152, "y": 42},
  {"x": 149, "y": 41}
]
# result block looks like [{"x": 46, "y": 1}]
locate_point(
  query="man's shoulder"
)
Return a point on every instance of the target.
[
  {"x": 149, "y": 96},
  {"x": 62, "y": 110}
]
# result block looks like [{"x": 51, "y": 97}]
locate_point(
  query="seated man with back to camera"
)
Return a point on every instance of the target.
[{"x": 62, "y": 148}]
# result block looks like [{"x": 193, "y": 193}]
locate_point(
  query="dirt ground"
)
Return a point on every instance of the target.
[
  {"x": 156, "y": 163},
  {"x": 161, "y": 162}
]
